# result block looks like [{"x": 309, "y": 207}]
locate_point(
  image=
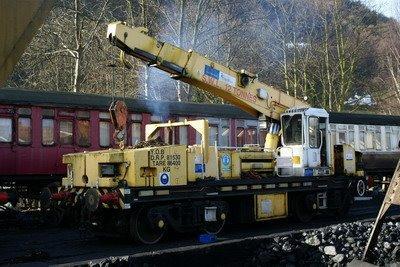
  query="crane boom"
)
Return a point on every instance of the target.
[{"x": 240, "y": 88}]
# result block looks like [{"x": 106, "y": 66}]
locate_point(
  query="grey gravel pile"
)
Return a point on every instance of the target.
[{"x": 334, "y": 245}]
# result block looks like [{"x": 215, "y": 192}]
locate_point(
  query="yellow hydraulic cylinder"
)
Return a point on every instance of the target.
[{"x": 271, "y": 142}]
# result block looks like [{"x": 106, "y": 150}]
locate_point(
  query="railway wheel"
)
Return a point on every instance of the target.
[
  {"x": 45, "y": 198},
  {"x": 304, "y": 207},
  {"x": 215, "y": 227},
  {"x": 53, "y": 217},
  {"x": 361, "y": 187},
  {"x": 144, "y": 229}
]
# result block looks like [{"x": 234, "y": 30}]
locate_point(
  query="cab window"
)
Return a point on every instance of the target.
[
  {"x": 292, "y": 129},
  {"x": 313, "y": 132}
]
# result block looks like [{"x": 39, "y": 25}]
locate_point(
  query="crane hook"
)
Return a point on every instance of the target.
[{"x": 119, "y": 115}]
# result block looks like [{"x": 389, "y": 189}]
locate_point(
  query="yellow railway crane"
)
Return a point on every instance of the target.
[{"x": 144, "y": 191}]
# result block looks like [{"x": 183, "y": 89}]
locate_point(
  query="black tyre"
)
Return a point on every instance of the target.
[
  {"x": 53, "y": 217},
  {"x": 143, "y": 230},
  {"x": 214, "y": 227},
  {"x": 45, "y": 198}
]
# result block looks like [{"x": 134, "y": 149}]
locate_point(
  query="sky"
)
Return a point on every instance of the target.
[{"x": 390, "y": 8}]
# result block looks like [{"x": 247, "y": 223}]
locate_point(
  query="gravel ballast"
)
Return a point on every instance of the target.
[{"x": 335, "y": 245}]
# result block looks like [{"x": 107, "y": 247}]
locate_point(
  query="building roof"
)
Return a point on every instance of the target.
[
  {"x": 363, "y": 119},
  {"x": 76, "y": 100}
]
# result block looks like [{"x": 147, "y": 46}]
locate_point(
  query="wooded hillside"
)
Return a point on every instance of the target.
[{"x": 337, "y": 54}]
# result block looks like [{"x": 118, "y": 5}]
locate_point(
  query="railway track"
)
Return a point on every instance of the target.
[
  {"x": 21, "y": 219},
  {"x": 41, "y": 244}
]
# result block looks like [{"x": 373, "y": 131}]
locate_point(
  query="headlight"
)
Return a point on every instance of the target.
[
  {"x": 70, "y": 171},
  {"x": 108, "y": 170}
]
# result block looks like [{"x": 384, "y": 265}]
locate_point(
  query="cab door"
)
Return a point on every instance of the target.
[{"x": 314, "y": 135}]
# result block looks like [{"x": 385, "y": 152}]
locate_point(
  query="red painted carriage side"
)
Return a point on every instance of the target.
[
  {"x": 94, "y": 130},
  {"x": 191, "y": 133},
  {"x": 7, "y": 154}
]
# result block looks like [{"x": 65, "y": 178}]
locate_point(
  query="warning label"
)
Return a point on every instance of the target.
[{"x": 159, "y": 157}]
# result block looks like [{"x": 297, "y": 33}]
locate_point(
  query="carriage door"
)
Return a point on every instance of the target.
[{"x": 314, "y": 142}]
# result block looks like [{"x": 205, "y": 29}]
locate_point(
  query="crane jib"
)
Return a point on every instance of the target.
[{"x": 240, "y": 88}]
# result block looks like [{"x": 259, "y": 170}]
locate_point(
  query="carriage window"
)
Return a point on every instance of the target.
[
  {"x": 104, "y": 115},
  {"x": 251, "y": 136},
  {"x": 169, "y": 135},
  {"x": 394, "y": 141},
  {"x": 5, "y": 130},
  {"x": 24, "y": 131},
  {"x": 48, "y": 112},
  {"x": 388, "y": 140},
  {"x": 262, "y": 136},
  {"x": 361, "y": 138},
  {"x": 213, "y": 135},
  {"x": 183, "y": 135},
  {"x": 377, "y": 137},
  {"x": 83, "y": 133},
  {"x": 239, "y": 136},
  {"x": 83, "y": 114},
  {"x": 125, "y": 136},
  {"x": 369, "y": 140},
  {"x": 104, "y": 134},
  {"x": 369, "y": 137},
  {"x": 351, "y": 138},
  {"x": 24, "y": 111},
  {"x": 47, "y": 132},
  {"x": 66, "y": 134},
  {"x": 155, "y": 118},
  {"x": 333, "y": 137},
  {"x": 342, "y": 138},
  {"x": 136, "y": 133},
  {"x": 225, "y": 136}
]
